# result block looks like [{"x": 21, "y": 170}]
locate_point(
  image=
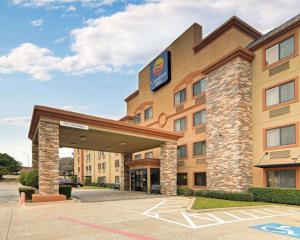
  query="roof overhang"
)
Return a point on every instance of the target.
[
  {"x": 279, "y": 165},
  {"x": 100, "y": 133}
]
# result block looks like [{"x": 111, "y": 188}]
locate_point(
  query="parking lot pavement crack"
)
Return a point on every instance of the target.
[{"x": 9, "y": 224}]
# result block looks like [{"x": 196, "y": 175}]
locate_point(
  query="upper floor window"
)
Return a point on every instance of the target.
[
  {"x": 199, "y": 118},
  {"x": 99, "y": 166},
  {"x": 281, "y": 136},
  {"x": 117, "y": 163},
  {"x": 180, "y": 97},
  {"x": 138, "y": 156},
  {"x": 104, "y": 166},
  {"x": 182, "y": 151},
  {"x": 148, "y": 113},
  {"x": 199, "y": 87},
  {"x": 137, "y": 118},
  {"x": 180, "y": 124},
  {"x": 149, "y": 155},
  {"x": 280, "y": 50},
  {"x": 280, "y": 94},
  {"x": 199, "y": 148}
]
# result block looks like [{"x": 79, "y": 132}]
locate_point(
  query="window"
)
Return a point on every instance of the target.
[
  {"x": 199, "y": 87},
  {"x": 281, "y": 179},
  {"x": 99, "y": 166},
  {"x": 117, "y": 163},
  {"x": 78, "y": 169},
  {"x": 199, "y": 148},
  {"x": 137, "y": 118},
  {"x": 102, "y": 179},
  {"x": 90, "y": 168},
  {"x": 104, "y": 166},
  {"x": 200, "y": 179},
  {"x": 148, "y": 113},
  {"x": 280, "y": 94},
  {"x": 182, "y": 151},
  {"x": 199, "y": 118},
  {"x": 179, "y": 97},
  {"x": 281, "y": 136},
  {"x": 149, "y": 155},
  {"x": 117, "y": 179},
  {"x": 138, "y": 156},
  {"x": 280, "y": 50},
  {"x": 180, "y": 124},
  {"x": 182, "y": 179}
]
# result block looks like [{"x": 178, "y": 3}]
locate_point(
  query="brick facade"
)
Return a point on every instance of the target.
[
  {"x": 48, "y": 157},
  {"x": 168, "y": 168},
  {"x": 228, "y": 127},
  {"x": 35, "y": 156},
  {"x": 124, "y": 172}
]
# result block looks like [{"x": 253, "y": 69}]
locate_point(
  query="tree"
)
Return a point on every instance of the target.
[
  {"x": 8, "y": 165},
  {"x": 66, "y": 165}
]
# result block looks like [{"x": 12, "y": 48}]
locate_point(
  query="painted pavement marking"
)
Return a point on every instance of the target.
[
  {"x": 175, "y": 214},
  {"x": 281, "y": 229}
]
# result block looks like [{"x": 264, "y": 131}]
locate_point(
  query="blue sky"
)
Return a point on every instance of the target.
[{"x": 84, "y": 55}]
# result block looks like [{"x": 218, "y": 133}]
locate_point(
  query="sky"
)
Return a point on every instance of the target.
[{"x": 85, "y": 55}]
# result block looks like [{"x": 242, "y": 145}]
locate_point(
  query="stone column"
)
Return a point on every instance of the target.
[
  {"x": 168, "y": 168},
  {"x": 35, "y": 156},
  {"x": 124, "y": 172},
  {"x": 48, "y": 157},
  {"x": 229, "y": 127}
]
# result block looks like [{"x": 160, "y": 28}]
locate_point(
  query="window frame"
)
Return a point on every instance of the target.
[
  {"x": 146, "y": 119},
  {"x": 182, "y": 103},
  {"x": 186, "y": 179},
  {"x": 193, "y": 122},
  {"x": 135, "y": 155},
  {"x": 265, "y": 174},
  {"x": 187, "y": 153},
  {"x": 296, "y": 144},
  {"x": 278, "y": 41},
  {"x": 203, "y": 92},
  {"x": 202, "y": 155},
  {"x": 186, "y": 124},
  {"x": 135, "y": 116},
  {"x": 296, "y": 94},
  {"x": 194, "y": 180},
  {"x": 148, "y": 153}
]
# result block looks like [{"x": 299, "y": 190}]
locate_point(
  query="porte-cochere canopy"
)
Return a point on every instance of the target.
[{"x": 53, "y": 128}]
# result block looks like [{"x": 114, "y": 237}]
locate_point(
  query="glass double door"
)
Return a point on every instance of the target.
[{"x": 139, "y": 180}]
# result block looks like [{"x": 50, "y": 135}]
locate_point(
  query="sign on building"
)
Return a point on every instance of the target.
[
  {"x": 73, "y": 125},
  {"x": 160, "y": 71}
]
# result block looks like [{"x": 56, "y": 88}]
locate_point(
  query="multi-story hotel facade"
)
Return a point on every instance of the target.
[
  {"x": 234, "y": 97},
  {"x": 97, "y": 166}
]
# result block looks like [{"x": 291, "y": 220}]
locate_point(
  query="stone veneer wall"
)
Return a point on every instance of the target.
[
  {"x": 124, "y": 173},
  {"x": 228, "y": 127},
  {"x": 48, "y": 157},
  {"x": 35, "y": 156},
  {"x": 168, "y": 168}
]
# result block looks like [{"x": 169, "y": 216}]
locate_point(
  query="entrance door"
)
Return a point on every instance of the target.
[{"x": 139, "y": 180}]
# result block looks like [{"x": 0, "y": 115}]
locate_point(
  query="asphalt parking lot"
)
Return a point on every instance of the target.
[{"x": 143, "y": 219}]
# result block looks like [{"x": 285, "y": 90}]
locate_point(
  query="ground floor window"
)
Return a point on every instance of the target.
[
  {"x": 200, "y": 179},
  {"x": 155, "y": 176},
  {"x": 182, "y": 179},
  {"x": 102, "y": 179},
  {"x": 281, "y": 179},
  {"x": 117, "y": 179}
]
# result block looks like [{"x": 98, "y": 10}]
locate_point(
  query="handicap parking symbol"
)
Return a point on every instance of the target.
[{"x": 282, "y": 229}]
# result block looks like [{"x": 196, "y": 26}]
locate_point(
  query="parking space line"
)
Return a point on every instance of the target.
[
  {"x": 249, "y": 214},
  {"x": 186, "y": 217},
  {"x": 216, "y": 218},
  {"x": 261, "y": 212},
  {"x": 232, "y": 215}
]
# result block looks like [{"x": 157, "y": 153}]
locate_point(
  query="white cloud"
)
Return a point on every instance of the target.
[
  {"x": 54, "y": 4},
  {"x": 71, "y": 8},
  {"x": 138, "y": 33},
  {"x": 16, "y": 121},
  {"x": 37, "y": 22},
  {"x": 60, "y": 40}
]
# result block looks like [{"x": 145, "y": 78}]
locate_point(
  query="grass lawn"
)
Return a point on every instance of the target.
[{"x": 207, "y": 203}]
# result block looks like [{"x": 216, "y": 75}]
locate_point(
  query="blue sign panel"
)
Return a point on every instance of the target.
[
  {"x": 279, "y": 229},
  {"x": 160, "y": 71}
]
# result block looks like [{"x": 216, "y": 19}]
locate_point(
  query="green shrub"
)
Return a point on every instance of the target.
[
  {"x": 88, "y": 181},
  {"x": 234, "y": 196},
  {"x": 30, "y": 179},
  {"x": 184, "y": 191},
  {"x": 74, "y": 178},
  {"x": 65, "y": 190},
  {"x": 28, "y": 192},
  {"x": 276, "y": 195}
]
